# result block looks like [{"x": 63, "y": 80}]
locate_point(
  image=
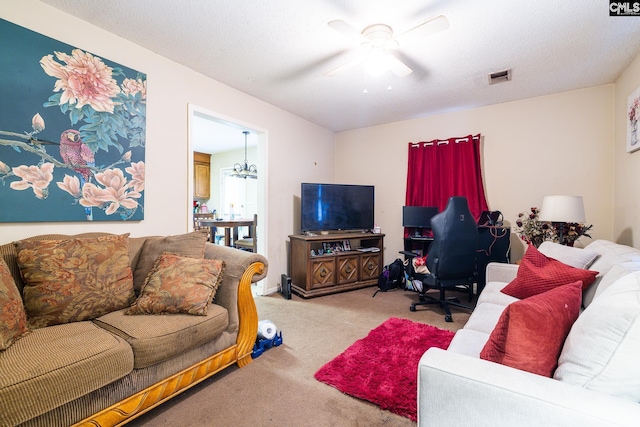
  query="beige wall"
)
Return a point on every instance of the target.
[
  {"x": 627, "y": 171},
  {"x": 297, "y": 150},
  {"x": 557, "y": 144}
]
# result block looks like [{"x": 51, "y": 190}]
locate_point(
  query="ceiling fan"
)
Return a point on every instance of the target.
[{"x": 377, "y": 42}]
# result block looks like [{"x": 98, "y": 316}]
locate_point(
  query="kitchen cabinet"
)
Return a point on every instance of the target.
[{"x": 201, "y": 175}]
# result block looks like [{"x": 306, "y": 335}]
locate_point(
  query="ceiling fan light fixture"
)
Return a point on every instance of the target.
[
  {"x": 244, "y": 170},
  {"x": 377, "y": 63},
  {"x": 379, "y": 35},
  {"x": 377, "y": 42}
]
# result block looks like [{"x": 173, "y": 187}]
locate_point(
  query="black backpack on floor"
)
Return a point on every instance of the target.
[{"x": 392, "y": 277}]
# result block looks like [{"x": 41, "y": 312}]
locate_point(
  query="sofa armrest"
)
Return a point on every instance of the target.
[
  {"x": 242, "y": 268},
  {"x": 236, "y": 263},
  {"x": 454, "y": 389},
  {"x": 501, "y": 272}
]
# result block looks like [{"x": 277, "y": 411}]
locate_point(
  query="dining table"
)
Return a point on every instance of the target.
[{"x": 230, "y": 226}]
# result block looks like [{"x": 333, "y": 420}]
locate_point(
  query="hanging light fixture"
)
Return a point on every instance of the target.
[{"x": 245, "y": 171}]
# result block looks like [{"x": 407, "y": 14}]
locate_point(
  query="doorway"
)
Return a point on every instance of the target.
[{"x": 223, "y": 139}]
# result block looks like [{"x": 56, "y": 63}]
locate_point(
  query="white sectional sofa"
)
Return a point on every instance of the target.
[{"x": 597, "y": 382}]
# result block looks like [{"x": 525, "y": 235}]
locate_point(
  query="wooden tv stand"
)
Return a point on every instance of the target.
[{"x": 337, "y": 271}]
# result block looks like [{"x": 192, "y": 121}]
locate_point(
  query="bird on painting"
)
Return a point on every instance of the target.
[{"x": 76, "y": 153}]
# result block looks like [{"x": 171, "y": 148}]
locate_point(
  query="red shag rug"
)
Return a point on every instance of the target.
[{"x": 383, "y": 367}]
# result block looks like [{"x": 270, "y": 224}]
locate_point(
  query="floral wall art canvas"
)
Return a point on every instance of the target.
[
  {"x": 633, "y": 114},
  {"x": 72, "y": 132}
]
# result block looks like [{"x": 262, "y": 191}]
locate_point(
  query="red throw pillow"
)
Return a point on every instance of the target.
[
  {"x": 530, "y": 333},
  {"x": 538, "y": 273}
]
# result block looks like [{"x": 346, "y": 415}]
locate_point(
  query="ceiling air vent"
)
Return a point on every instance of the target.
[{"x": 500, "y": 76}]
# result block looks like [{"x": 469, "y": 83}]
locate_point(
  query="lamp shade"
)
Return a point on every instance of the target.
[{"x": 562, "y": 209}]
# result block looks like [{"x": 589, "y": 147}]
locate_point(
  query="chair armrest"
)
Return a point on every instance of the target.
[
  {"x": 454, "y": 389},
  {"x": 501, "y": 272}
]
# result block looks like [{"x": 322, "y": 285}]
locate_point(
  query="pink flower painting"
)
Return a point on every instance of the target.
[
  {"x": 82, "y": 159},
  {"x": 83, "y": 80},
  {"x": 633, "y": 114},
  {"x": 34, "y": 177}
]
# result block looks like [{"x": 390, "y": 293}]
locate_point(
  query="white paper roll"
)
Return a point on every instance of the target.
[{"x": 266, "y": 329}]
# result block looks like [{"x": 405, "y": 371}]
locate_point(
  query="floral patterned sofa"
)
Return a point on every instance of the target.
[{"x": 96, "y": 328}]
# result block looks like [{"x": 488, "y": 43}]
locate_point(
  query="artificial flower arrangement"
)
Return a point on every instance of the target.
[{"x": 532, "y": 230}]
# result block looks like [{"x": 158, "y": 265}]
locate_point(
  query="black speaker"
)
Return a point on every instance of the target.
[{"x": 285, "y": 286}]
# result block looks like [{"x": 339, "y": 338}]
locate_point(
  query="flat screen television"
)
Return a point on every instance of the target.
[
  {"x": 418, "y": 216},
  {"x": 330, "y": 207}
]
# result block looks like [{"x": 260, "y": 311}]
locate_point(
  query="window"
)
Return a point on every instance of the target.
[{"x": 234, "y": 195}]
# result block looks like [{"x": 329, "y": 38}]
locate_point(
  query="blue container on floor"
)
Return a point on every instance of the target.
[{"x": 263, "y": 344}]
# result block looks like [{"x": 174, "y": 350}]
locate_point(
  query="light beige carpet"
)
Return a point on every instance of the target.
[{"x": 278, "y": 388}]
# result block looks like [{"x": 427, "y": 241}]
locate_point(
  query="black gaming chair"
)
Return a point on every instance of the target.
[{"x": 451, "y": 259}]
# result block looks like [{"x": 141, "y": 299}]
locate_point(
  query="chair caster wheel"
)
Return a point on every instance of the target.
[
  {"x": 448, "y": 318},
  {"x": 412, "y": 308}
]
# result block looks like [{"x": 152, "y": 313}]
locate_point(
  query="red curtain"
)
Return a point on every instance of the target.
[{"x": 440, "y": 169}]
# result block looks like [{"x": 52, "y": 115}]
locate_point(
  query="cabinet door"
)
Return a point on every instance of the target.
[
  {"x": 323, "y": 272},
  {"x": 369, "y": 266},
  {"x": 347, "y": 269},
  {"x": 202, "y": 180}
]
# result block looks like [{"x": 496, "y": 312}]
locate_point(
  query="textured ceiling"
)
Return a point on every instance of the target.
[
  {"x": 211, "y": 135},
  {"x": 279, "y": 50}
]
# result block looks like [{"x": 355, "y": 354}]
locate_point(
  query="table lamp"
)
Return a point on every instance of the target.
[{"x": 562, "y": 209}]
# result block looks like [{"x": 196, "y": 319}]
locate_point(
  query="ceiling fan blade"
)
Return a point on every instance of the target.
[
  {"x": 312, "y": 68},
  {"x": 347, "y": 30},
  {"x": 343, "y": 67},
  {"x": 418, "y": 71},
  {"x": 425, "y": 29},
  {"x": 398, "y": 67}
]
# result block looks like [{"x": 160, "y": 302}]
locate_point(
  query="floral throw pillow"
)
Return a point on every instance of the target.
[
  {"x": 538, "y": 273},
  {"x": 75, "y": 279},
  {"x": 179, "y": 284},
  {"x": 190, "y": 245},
  {"x": 13, "y": 319}
]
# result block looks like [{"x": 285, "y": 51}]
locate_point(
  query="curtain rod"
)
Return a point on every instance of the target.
[{"x": 445, "y": 141}]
